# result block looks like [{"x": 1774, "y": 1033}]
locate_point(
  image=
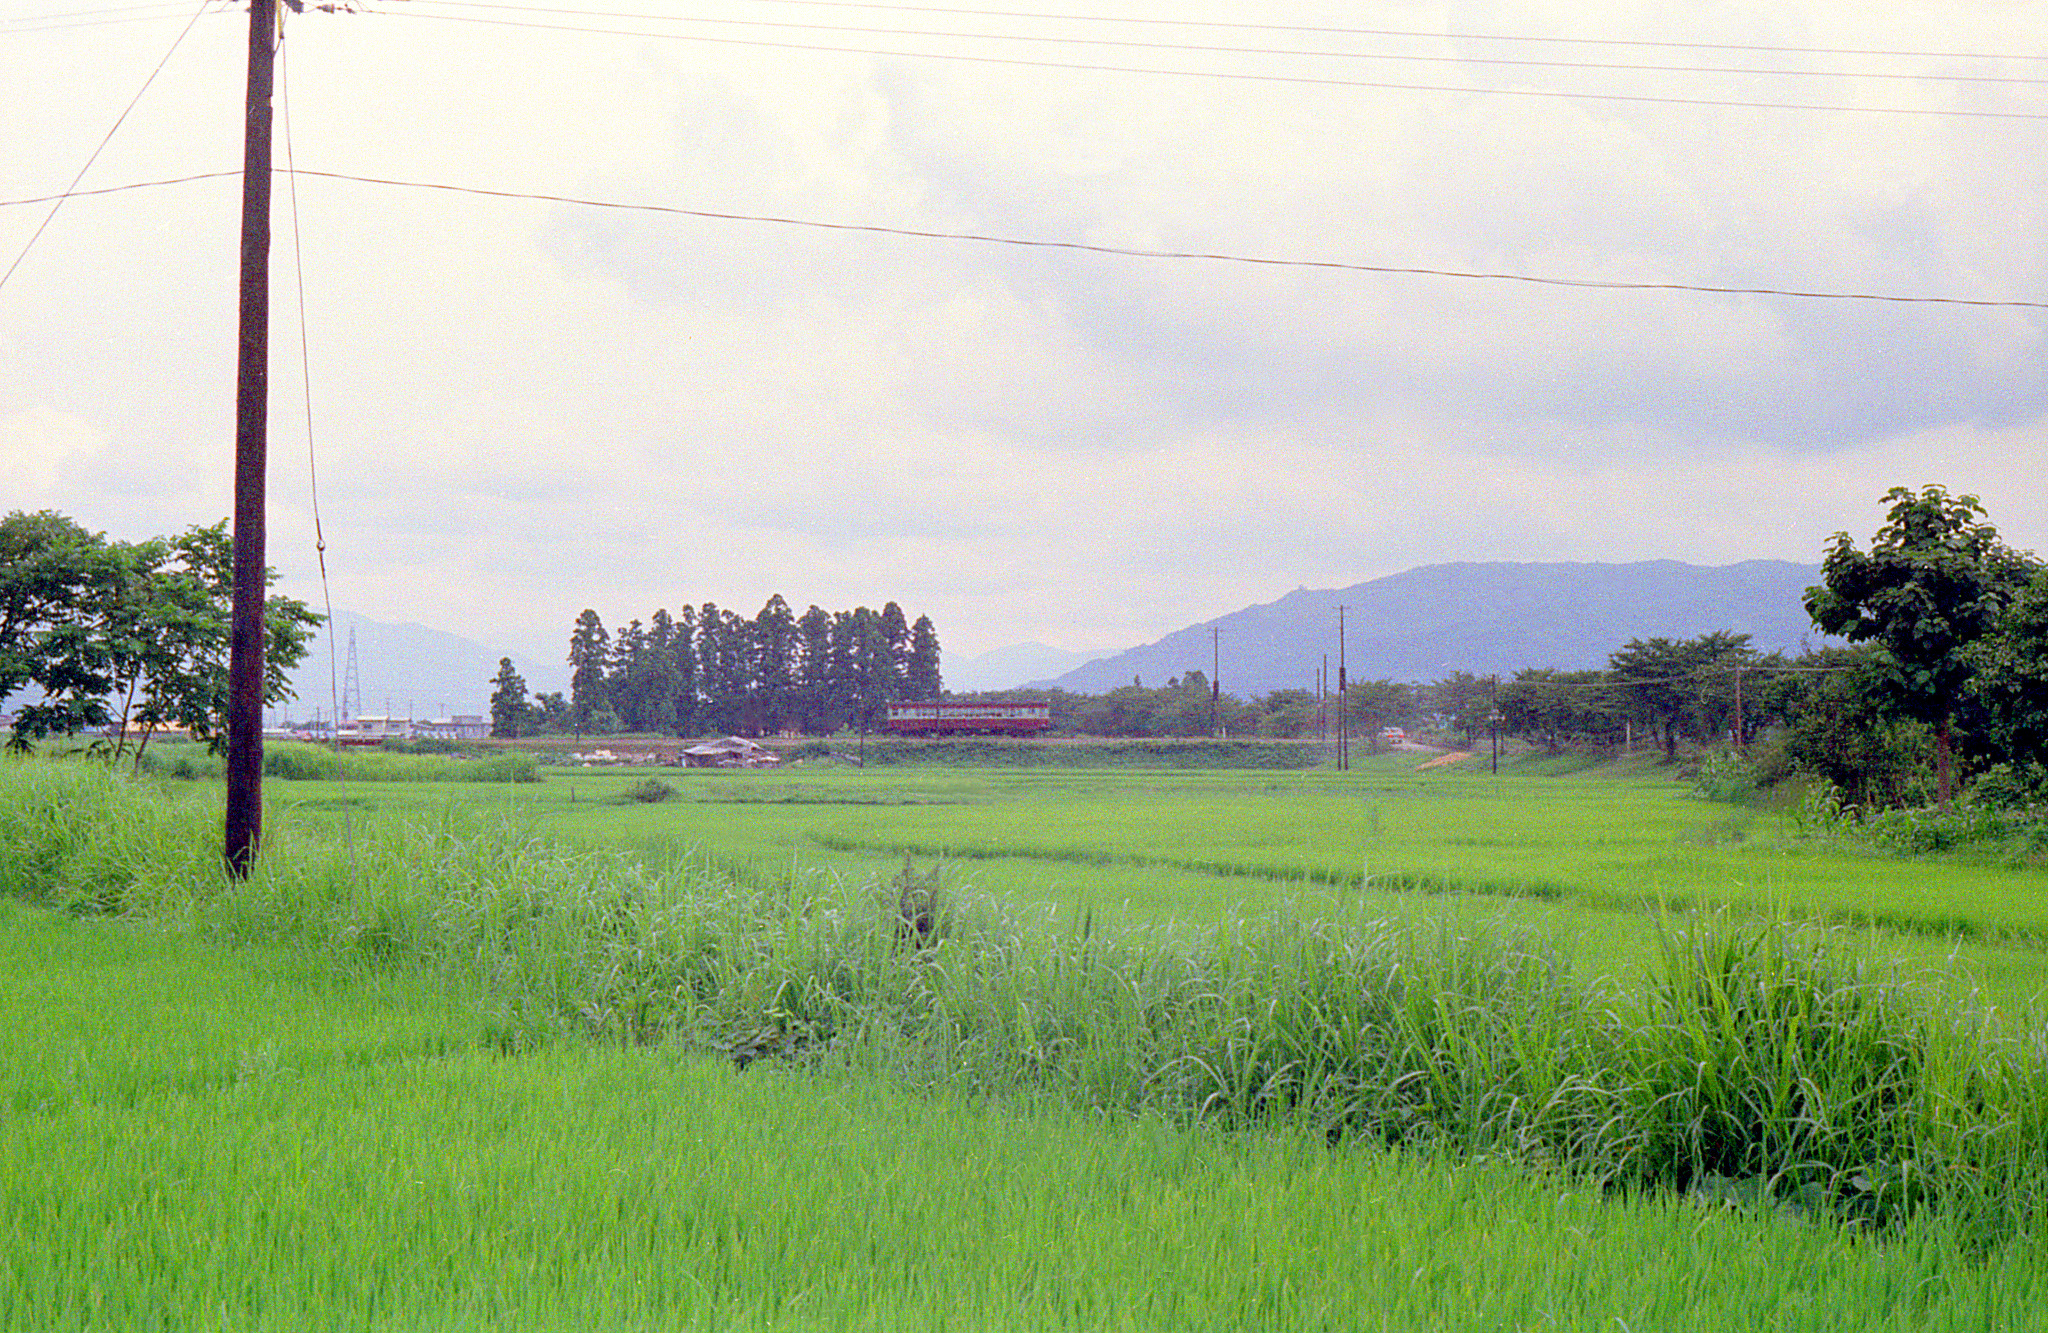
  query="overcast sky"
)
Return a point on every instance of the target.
[{"x": 521, "y": 408}]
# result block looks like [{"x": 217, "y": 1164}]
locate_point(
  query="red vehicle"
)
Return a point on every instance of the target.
[{"x": 934, "y": 718}]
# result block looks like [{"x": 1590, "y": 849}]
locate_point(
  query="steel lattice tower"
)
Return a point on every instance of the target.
[{"x": 351, "y": 684}]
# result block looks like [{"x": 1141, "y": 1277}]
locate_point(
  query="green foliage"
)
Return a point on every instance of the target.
[
  {"x": 1725, "y": 775},
  {"x": 127, "y": 635},
  {"x": 1559, "y": 708},
  {"x": 1837, "y": 724},
  {"x": 1935, "y": 582},
  {"x": 647, "y": 791},
  {"x": 299, "y": 761},
  {"x": 2010, "y": 684},
  {"x": 511, "y": 713},
  {"x": 1685, "y": 687}
]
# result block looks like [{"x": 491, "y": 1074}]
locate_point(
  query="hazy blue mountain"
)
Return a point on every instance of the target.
[
  {"x": 1007, "y": 668},
  {"x": 409, "y": 669},
  {"x": 1428, "y": 622}
]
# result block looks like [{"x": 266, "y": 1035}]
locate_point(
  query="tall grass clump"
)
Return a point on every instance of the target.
[
  {"x": 299, "y": 761},
  {"x": 1753, "y": 1066}
]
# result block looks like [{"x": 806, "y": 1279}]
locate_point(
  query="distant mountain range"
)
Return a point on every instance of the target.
[
  {"x": 1006, "y": 668},
  {"x": 407, "y": 669},
  {"x": 1429, "y": 622},
  {"x": 1419, "y": 626}
]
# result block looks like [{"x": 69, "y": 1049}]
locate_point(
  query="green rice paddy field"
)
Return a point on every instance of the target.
[
  {"x": 361, "y": 1092},
  {"x": 1590, "y": 857}
]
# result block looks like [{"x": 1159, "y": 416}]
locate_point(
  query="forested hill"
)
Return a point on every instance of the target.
[{"x": 1428, "y": 622}]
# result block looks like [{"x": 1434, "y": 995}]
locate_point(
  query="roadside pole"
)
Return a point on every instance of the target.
[{"x": 244, "y": 825}]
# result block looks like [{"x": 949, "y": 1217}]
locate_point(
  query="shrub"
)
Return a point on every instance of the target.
[
  {"x": 647, "y": 791},
  {"x": 1725, "y": 775}
]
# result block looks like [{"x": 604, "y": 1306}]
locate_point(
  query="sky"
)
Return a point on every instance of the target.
[{"x": 521, "y": 408}]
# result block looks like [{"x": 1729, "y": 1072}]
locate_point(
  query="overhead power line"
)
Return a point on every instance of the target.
[
  {"x": 1243, "y": 50},
  {"x": 57, "y": 201},
  {"x": 1136, "y": 253},
  {"x": 1131, "y": 252},
  {"x": 1412, "y": 32},
  {"x": 1238, "y": 77}
]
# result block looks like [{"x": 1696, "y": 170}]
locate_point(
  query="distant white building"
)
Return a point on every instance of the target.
[
  {"x": 375, "y": 727},
  {"x": 461, "y": 727}
]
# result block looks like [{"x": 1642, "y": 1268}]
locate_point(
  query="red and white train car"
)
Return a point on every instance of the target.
[{"x": 934, "y": 718}]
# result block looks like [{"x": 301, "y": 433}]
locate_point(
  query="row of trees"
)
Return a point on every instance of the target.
[
  {"x": 1188, "y": 706},
  {"x": 1946, "y": 673},
  {"x": 127, "y": 636},
  {"x": 708, "y": 669}
]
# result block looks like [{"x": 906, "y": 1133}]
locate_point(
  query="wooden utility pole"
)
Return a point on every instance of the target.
[
  {"x": 1215, "y": 679},
  {"x": 1343, "y": 683},
  {"x": 244, "y": 831},
  {"x": 1493, "y": 717},
  {"x": 1738, "y": 710}
]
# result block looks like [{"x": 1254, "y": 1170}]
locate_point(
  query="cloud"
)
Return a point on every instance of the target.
[{"x": 521, "y": 408}]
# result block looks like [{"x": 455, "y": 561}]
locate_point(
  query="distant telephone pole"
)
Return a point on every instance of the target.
[
  {"x": 1493, "y": 717},
  {"x": 1343, "y": 683},
  {"x": 243, "y": 833},
  {"x": 1215, "y": 679},
  {"x": 1738, "y": 710}
]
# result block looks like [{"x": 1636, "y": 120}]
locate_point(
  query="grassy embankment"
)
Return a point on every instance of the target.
[{"x": 404, "y": 1174}]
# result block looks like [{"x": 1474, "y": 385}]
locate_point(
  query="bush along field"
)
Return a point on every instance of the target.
[{"x": 294, "y": 760}]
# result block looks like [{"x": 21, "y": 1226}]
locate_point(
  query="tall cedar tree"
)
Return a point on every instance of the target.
[
  {"x": 771, "y": 641},
  {"x": 921, "y": 679},
  {"x": 510, "y": 712},
  {"x": 683, "y": 660},
  {"x": 587, "y": 663},
  {"x": 814, "y": 671},
  {"x": 658, "y": 689}
]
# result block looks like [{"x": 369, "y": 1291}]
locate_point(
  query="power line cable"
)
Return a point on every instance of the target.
[
  {"x": 105, "y": 139},
  {"x": 1249, "y": 50},
  {"x": 1136, "y": 253},
  {"x": 92, "y": 23},
  {"x": 1130, "y": 252},
  {"x": 312, "y": 461},
  {"x": 121, "y": 189},
  {"x": 90, "y": 13},
  {"x": 1227, "y": 75},
  {"x": 1413, "y": 32}
]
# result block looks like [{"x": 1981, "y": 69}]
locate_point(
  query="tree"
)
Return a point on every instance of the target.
[
  {"x": 587, "y": 664},
  {"x": 921, "y": 678},
  {"x": 626, "y": 684},
  {"x": 118, "y": 634},
  {"x": 509, "y": 709},
  {"x": 683, "y": 662},
  {"x": 659, "y": 678},
  {"x": 1376, "y": 704},
  {"x": 1682, "y": 687},
  {"x": 1463, "y": 701},
  {"x": 771, "y": 666},
  {"x": 1836, "y": 723},
  {"x": 814, "y": 672},
  {"x": 1935, "y": 581},
  {"x": 551, "y": 712},
  {"x": 2011, "y": 685},
  {"x": 1287, "y": 714}
]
